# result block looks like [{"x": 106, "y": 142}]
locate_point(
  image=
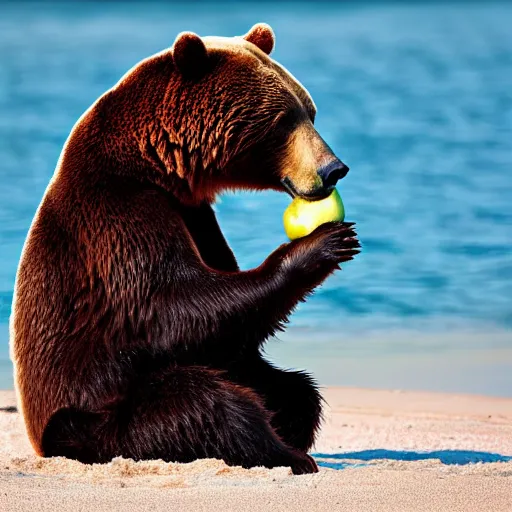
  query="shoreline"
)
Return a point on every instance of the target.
[
  {"x": 451, "y": 361},
  {"x": 370, "y": 433}
]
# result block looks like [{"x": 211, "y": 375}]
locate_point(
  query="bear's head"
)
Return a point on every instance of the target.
[{"x": 229, "y": 117}]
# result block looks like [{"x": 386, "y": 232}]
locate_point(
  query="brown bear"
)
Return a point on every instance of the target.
[{"x": 134, "y": 333}]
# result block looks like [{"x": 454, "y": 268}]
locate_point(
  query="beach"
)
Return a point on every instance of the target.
[{"x": 370, "y": 434}]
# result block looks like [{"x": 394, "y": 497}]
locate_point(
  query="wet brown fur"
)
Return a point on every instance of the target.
[{"x": 134, "y": 332}]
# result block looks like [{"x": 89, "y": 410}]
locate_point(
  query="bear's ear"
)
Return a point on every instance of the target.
[
  {"x": 190, "y": 55},
  {"x": 262, "y": 36}
]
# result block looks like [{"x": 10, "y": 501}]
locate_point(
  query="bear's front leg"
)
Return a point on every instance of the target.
[
  {"x": 157, "y": 282},
  {"x": 242, "y": 309}
]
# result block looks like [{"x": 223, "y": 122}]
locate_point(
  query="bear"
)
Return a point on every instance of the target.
[{"x": 134, "y": 332}]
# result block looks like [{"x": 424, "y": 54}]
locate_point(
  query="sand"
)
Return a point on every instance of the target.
[{"x": 356, "y": 420}]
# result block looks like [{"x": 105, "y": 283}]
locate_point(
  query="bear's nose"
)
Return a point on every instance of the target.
[{"x": 332, "y": 172}]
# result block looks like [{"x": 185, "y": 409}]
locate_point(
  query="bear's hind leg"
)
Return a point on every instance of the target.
[
  {"x": 79, "y": 435},
  {"x": 292, "y": 397},
  {"x": 179, "y": 414}
]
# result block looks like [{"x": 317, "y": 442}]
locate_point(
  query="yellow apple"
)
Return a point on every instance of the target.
[{"x": 302, "y": 216}]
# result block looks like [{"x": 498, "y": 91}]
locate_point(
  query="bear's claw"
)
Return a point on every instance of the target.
[{"x": 304, "y": 465}]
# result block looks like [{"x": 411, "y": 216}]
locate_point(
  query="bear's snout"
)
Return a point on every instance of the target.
[
  {"x": 329, "y": 175},
  {"x": 311, "y": 169}
]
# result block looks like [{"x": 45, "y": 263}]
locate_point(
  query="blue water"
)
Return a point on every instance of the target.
[{"x": 416, "y": 98}]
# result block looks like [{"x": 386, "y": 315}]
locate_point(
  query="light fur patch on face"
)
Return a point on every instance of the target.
[{"x": 307, "y": 152}]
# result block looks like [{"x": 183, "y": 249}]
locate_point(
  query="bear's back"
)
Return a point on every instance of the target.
[{"x": 38, "y": 318}]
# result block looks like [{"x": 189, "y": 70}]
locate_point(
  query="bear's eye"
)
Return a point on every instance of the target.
[{"x": 286, "y": 121}]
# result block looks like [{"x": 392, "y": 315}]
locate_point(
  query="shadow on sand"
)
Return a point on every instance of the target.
[{"x": 445, "y": 456}]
